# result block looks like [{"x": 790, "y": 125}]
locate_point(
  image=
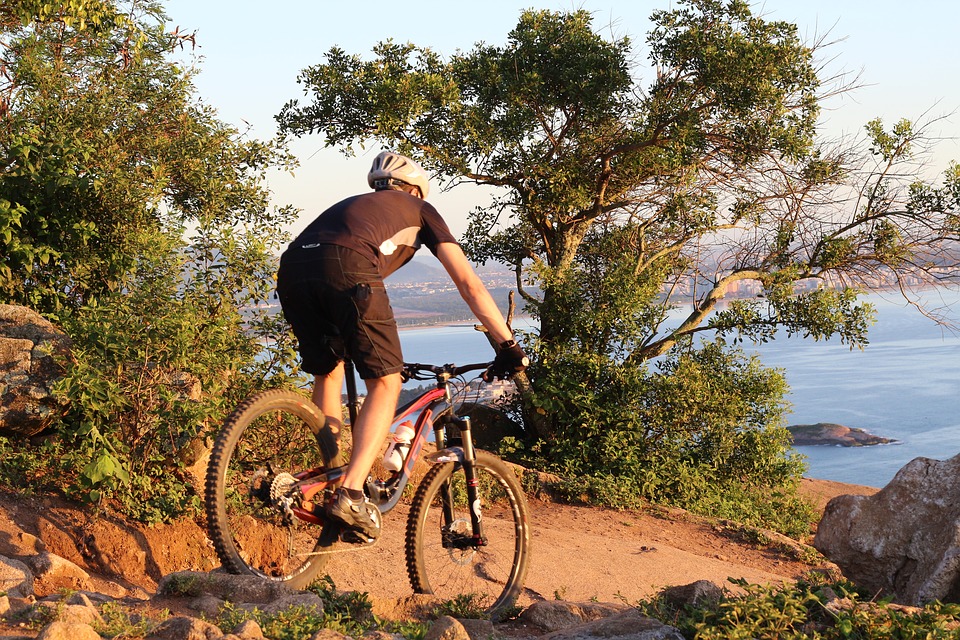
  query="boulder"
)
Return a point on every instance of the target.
[
  {"x": 447, "y": 628},
  {"x": 16, "y": 578},
  {"x": 59, "y": 630},
  {"x": 32, "y": 356},
  {"x": 904, "y": 541},
  {"x": 553, "y": 615},
  {"x": 627, "y": 625},
  {"x": 490, "y": 425}
]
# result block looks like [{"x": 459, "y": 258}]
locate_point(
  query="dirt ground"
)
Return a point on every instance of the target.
[{"x": 578, "y": 553}]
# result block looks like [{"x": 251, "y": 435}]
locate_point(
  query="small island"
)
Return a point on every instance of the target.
[{"x": 827, "y": 433}]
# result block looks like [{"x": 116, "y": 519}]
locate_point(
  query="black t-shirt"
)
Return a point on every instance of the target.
[{"x": 386, "y": 226}]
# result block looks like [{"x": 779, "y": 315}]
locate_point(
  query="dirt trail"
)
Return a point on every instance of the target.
[
  {"x": 578, "y": 553},
  {"x": 585, "y": 553}
]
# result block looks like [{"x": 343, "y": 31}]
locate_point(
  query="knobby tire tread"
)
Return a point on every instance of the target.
[
  {"x": 214, "y": 495},
  {"x": 428, "y": 489}
]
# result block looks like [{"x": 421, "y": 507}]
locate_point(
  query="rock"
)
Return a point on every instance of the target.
[
  {"x": 305, "y": 599},
  {"x": 627, "y": 625},
  {"x": 903, "y": 541},
  {"x": 249, "y": 630},
  {"x": 32, "y": 355},
  {"x": 446, "y": 628},
  {"x": 827, "y": 433},
  {"x": 54, "y": 574},
  {"x": 478, "y": 629},
  {"x": 552, "y": 615},
  {"x": 185, "y": 628},
  {"x": 696, "y": 594},
  {"x": 245, "y": 589},
  {"x": 70, "y": 613},
  {"x": 16, "y": 580},
  {"x": 58, "y": 630},
  {"x": 207, "y": 605},
  {"x": 328, "y": 634}
]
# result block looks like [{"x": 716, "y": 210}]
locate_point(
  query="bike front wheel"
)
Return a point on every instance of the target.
[
  {"x": 443, "y": 558},
  {"x": 264, "y": 448}
]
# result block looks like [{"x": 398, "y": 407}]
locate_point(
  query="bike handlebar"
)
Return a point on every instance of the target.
[{"x": 415, "y": 371}]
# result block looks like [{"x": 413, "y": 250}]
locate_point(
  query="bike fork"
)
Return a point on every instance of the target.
[{"x": 470, "y": 474}]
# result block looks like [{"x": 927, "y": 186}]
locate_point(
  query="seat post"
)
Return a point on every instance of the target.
[{"x": 353, "y": 402}]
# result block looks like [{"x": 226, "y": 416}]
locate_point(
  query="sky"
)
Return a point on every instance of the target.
[{"x": 250, "y": 54}]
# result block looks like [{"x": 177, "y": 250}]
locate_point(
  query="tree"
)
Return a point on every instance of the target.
[
  {"x": 620, "y": 206},
  {"x": 135, "y": 218},
  {"x": 101, "y": 138},
  {"x": 712, "y": 175}
]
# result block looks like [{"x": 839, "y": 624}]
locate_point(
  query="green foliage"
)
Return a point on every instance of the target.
[
  {"x": 351, "y": 605},
  {"x": 103, "y": 140},
  {"x": 465, "y": 605},
  {"x": 135, "y": 219},
  {"x": 293, "y": 623},
  {"x": 183, "y": 585},
  {"x": 703, "y": 432},
  {"x": 117, "y": 621},
  {"x": 818, "y": 314},
  {"x": 37, "y": 468},
  {"x": 805, "y": 610},
  {"x": 143, "y": 394},
  {"x": 348, "y": 613}
]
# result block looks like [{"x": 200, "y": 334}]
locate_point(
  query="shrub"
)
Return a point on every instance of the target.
[
  {"x": 806, "y": 609},
  {"x": 703, "y": 431},
  {"x": 157, "y": 367}
]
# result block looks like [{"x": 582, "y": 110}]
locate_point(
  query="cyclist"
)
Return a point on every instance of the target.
[{"x": 330, "y": 285}]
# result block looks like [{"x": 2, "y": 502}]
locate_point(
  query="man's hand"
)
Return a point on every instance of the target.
[{"x": 510, "y": 360}]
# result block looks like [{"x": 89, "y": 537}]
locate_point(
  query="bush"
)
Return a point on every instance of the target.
[
  {"x": 110, "y": 162},
  {"x": 703, "y": 432},
  {"x": 157, "y": 367},
  {"x": 806, "y": 609}
]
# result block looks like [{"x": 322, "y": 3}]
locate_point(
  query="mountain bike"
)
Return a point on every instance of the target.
[{"x": 274, "y": 466}]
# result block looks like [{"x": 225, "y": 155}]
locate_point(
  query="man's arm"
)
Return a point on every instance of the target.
[{"x": 473, "y": 291}]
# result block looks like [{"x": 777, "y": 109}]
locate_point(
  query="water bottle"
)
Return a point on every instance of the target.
[{"x": 398, "y": 447}]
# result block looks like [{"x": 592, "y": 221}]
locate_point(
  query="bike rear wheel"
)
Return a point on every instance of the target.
[
  {"x": 263, "y": 445},
  {"x": 442, "y": 558}
]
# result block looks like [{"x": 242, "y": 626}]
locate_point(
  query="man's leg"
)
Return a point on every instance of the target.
[
  {"x": 328, "y": 395},
  {"x": 373, "y": 425},
  {"x": 349, "y": 505}
]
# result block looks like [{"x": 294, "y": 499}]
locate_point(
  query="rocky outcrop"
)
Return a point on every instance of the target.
[
  {"x": 32, "y": 354},
  {"x": 904, "y": 541},
  {"x": 828, "y": 433},
  {"x": 77, "y": 614}
]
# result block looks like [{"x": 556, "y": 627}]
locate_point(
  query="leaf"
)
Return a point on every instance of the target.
[{"x": 105, "y": 466}]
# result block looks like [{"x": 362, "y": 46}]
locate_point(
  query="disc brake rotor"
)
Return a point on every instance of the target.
[{"x": 456, "y": 533}]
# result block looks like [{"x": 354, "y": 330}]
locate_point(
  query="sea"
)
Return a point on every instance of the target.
[{"x": 904, "y": 385}]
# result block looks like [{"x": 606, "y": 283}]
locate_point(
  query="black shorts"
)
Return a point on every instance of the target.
[{"x": 335, "y": 300}]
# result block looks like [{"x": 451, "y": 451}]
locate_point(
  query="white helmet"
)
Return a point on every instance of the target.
[{"x": 389, "y": 168}]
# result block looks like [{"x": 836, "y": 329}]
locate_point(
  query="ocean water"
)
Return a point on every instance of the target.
[{"x": 904, "y": 385}]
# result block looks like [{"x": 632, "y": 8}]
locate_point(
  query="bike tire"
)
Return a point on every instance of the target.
[
  {"x": 270, "y": 433},
  {"x": 492, "y": 574}
]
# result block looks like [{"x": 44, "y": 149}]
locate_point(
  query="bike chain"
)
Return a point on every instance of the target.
[{"x": 350, "y": 547}]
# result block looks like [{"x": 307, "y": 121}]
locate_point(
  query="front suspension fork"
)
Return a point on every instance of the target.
[{"x": 470, "y": 474}]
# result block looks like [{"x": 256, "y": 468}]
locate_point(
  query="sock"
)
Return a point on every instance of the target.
[{"x": 354, "y": 494}]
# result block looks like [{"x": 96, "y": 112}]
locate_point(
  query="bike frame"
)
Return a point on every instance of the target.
[{"x": 435, "y": 413}]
